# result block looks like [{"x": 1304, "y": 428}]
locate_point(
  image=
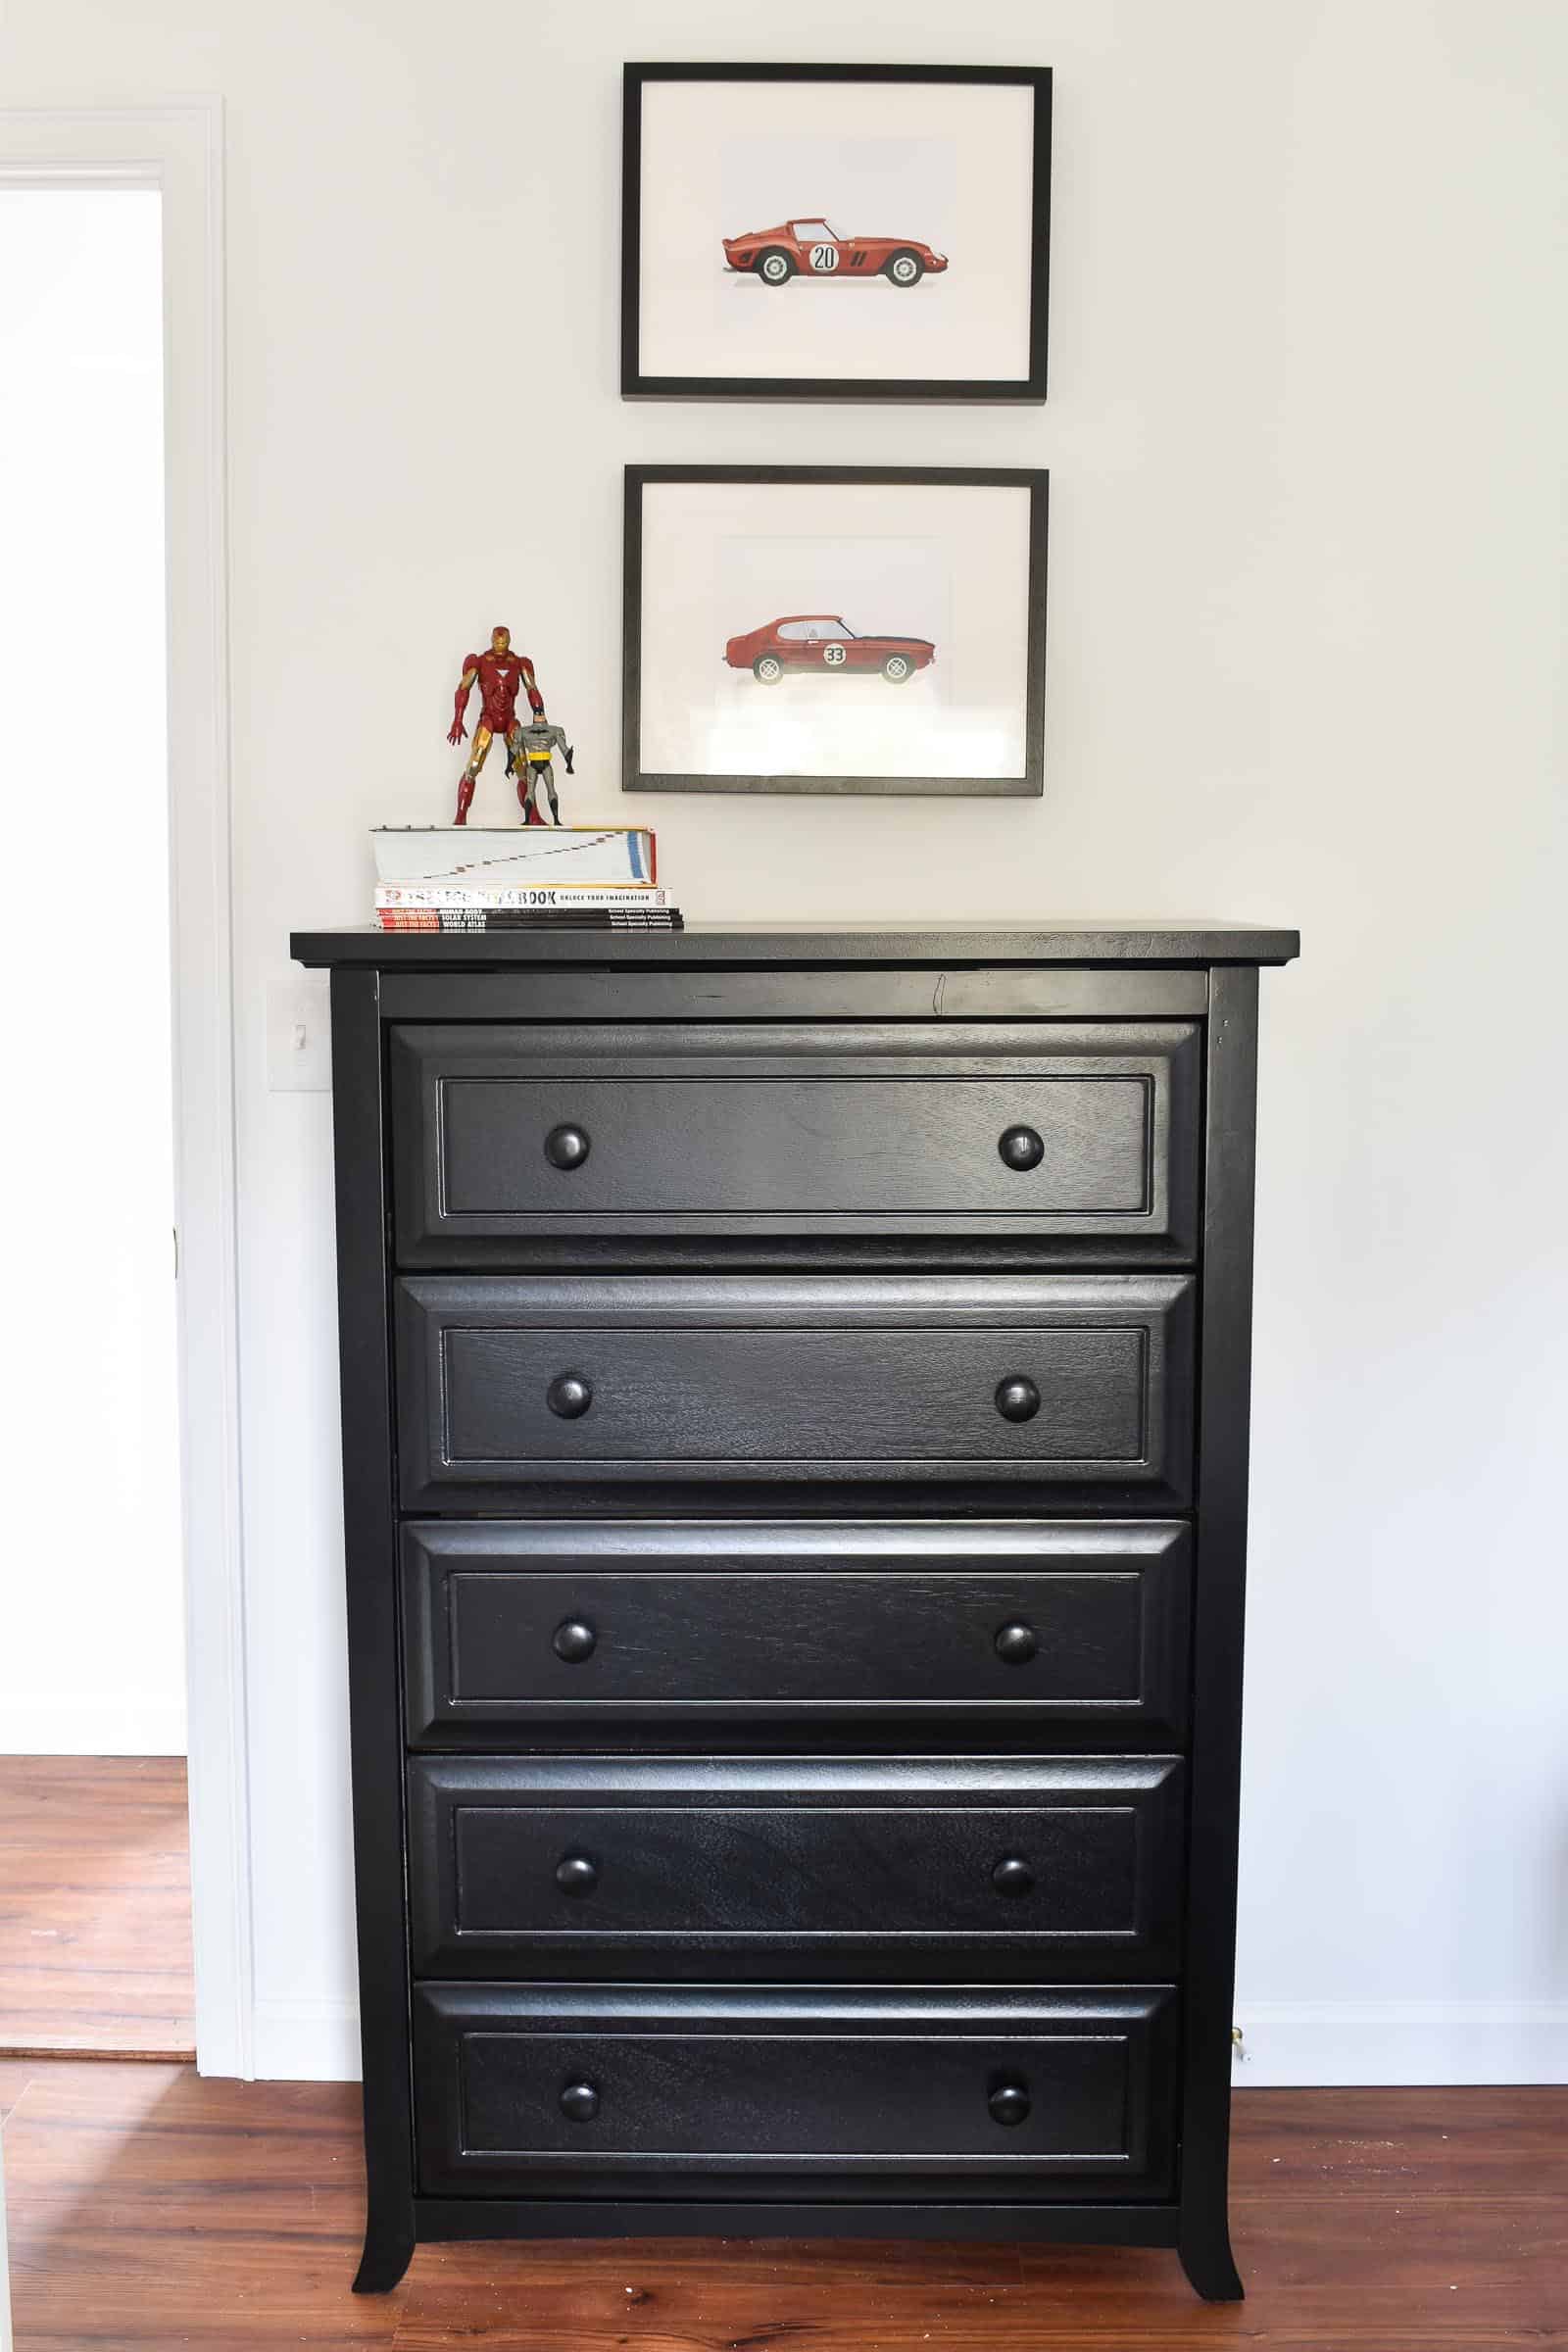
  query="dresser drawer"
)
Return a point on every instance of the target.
[
  {"x": 560, "y": 2090},
  {"x": 518, "y": 1627},
  {"x": 1059, "y": 1383},
  {"x": 840, "y": 1868},
  {"x": 505, "y": 1137}
]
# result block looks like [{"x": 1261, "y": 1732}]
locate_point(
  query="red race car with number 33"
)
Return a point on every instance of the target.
[
  {"x": 821, "y": 641},
  {"x": 808, "y": 248}
]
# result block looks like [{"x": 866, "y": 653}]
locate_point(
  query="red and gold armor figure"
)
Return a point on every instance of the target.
[{"x": 499, "y": 673}]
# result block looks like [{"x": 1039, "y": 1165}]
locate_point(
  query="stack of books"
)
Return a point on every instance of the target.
[{"x": 528, "y": 878}]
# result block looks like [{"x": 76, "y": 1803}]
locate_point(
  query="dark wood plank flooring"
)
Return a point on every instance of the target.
[
  {"x": 95, "y": 1950},
  {"x": 149, "y": 2209}
]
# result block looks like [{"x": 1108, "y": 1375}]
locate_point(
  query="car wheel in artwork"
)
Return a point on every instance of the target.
[
  {"x": 769, "y": 668},
  {"x": 903, "y": 269},
  {"x": 774, "y": 266},
  {"x": 895, "y": 669}
]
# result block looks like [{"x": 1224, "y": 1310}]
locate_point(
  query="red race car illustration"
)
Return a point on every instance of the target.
[
  {"x": 808, "y": 248},
  {"x": 822, "y": 642}
]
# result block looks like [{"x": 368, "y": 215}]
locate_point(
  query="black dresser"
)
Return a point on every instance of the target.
[{"x": 795, "y": 1403}]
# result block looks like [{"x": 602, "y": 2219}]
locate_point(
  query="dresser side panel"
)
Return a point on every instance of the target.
[
  {"x": 1224, "y": 1401},
  {"x": 375, "y": 1665}
]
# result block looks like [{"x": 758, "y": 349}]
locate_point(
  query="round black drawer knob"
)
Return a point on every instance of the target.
[
  {"x": 580, "y": 2102},
  {"x": 1011, "y": 1876},
  {"x": 1017, "y": 1645},
  {"x": 1008, "y": 2103},
  {"x": 567, "y": 1146},
  {"x": 1017, "y": 1398},
  {"x": 578, "y": 1874},
  {"x": 1021, "y": 1147},
  {"x": 570, "y": 1396},
  {"x": 574, "y": 1642}
]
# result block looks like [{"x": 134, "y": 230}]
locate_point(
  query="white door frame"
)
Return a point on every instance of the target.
[{"x": 178, "y": 147}]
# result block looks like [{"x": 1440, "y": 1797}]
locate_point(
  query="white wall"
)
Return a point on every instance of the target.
[
  {"x": 92, "y": 1653},
  {"x": 1308, "y": 382}
]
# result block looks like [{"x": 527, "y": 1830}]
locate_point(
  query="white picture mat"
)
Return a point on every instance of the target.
[
  {"x": 948, "y": 164},
  {"x": 944, "y": 560}
]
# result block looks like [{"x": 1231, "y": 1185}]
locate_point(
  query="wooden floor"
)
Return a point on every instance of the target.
[
  {"x": 151, "y": 2210},
  {"x": 95, "y": 1906}
]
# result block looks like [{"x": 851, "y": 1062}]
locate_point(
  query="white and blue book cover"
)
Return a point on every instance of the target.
[{"x": 468, "y": 858}]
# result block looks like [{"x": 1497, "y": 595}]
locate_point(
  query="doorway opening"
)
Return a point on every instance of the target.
[{"x": 95, "y": 1929}]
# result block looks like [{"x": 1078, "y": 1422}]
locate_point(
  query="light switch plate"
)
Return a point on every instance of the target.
[{"x": 299, "y": 1034}]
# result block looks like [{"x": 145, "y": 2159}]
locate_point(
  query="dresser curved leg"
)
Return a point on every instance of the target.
[
  {"x": 388, "y": 2251},
  {"x": 1209, "y": 2263}
]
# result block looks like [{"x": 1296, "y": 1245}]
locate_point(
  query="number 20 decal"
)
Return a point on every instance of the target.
[
  {"x": 833, "y": 655},
  {"x": 824, "y": 257}
]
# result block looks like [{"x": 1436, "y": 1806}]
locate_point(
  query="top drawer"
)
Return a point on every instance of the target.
[{"x": 1083, "y": 1134}]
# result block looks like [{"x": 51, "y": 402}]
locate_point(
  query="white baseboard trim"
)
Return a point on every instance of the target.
[
  {"x": 1313, "y": 2044},
  {"x": 133, "y": 1724},
  {"x": 306, "y": 2042}
]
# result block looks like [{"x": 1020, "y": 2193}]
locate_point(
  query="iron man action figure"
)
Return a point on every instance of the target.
[{"x": 500, "y": 674}]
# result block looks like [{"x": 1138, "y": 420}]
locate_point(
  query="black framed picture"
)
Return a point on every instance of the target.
[
  {"x": 856, "y": 232},
  {"x": 835, "y": 629}
]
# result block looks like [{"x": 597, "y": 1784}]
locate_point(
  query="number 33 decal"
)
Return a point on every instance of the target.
[
  {"x": 825, "y": 256},
  {"x": 833, "y": 655}
]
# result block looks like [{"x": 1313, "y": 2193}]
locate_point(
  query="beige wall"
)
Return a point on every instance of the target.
[{"x": 1308, "y": 384}]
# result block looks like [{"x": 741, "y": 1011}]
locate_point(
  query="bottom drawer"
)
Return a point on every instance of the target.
[{"x": 555, "y": 2091}]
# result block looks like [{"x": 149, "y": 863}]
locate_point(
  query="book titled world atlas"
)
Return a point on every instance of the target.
[{"x": 464, "y": 858}]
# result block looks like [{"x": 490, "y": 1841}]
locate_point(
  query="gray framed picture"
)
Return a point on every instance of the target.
[{"x": 834, "y": 629}]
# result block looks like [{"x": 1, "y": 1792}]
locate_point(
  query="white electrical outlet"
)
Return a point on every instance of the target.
[{"x": 299, "y": 1035}]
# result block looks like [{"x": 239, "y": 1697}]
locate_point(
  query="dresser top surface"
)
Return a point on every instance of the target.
[{"x": 794, "y": 945}]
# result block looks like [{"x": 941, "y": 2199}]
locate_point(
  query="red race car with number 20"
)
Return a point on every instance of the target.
[
  {"x": 810, "y": 249},
  {"x": 820, "y": 641}
]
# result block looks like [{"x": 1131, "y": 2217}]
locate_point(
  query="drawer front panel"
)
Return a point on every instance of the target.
[
  {"x": 548, "y": 2090},
  {"x": 1078, "y": 1626},
  {"x": 506, "y": 1136},
  {"x": 597, "y": 1868},
  {"x": 1072, "y": 1382}
]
